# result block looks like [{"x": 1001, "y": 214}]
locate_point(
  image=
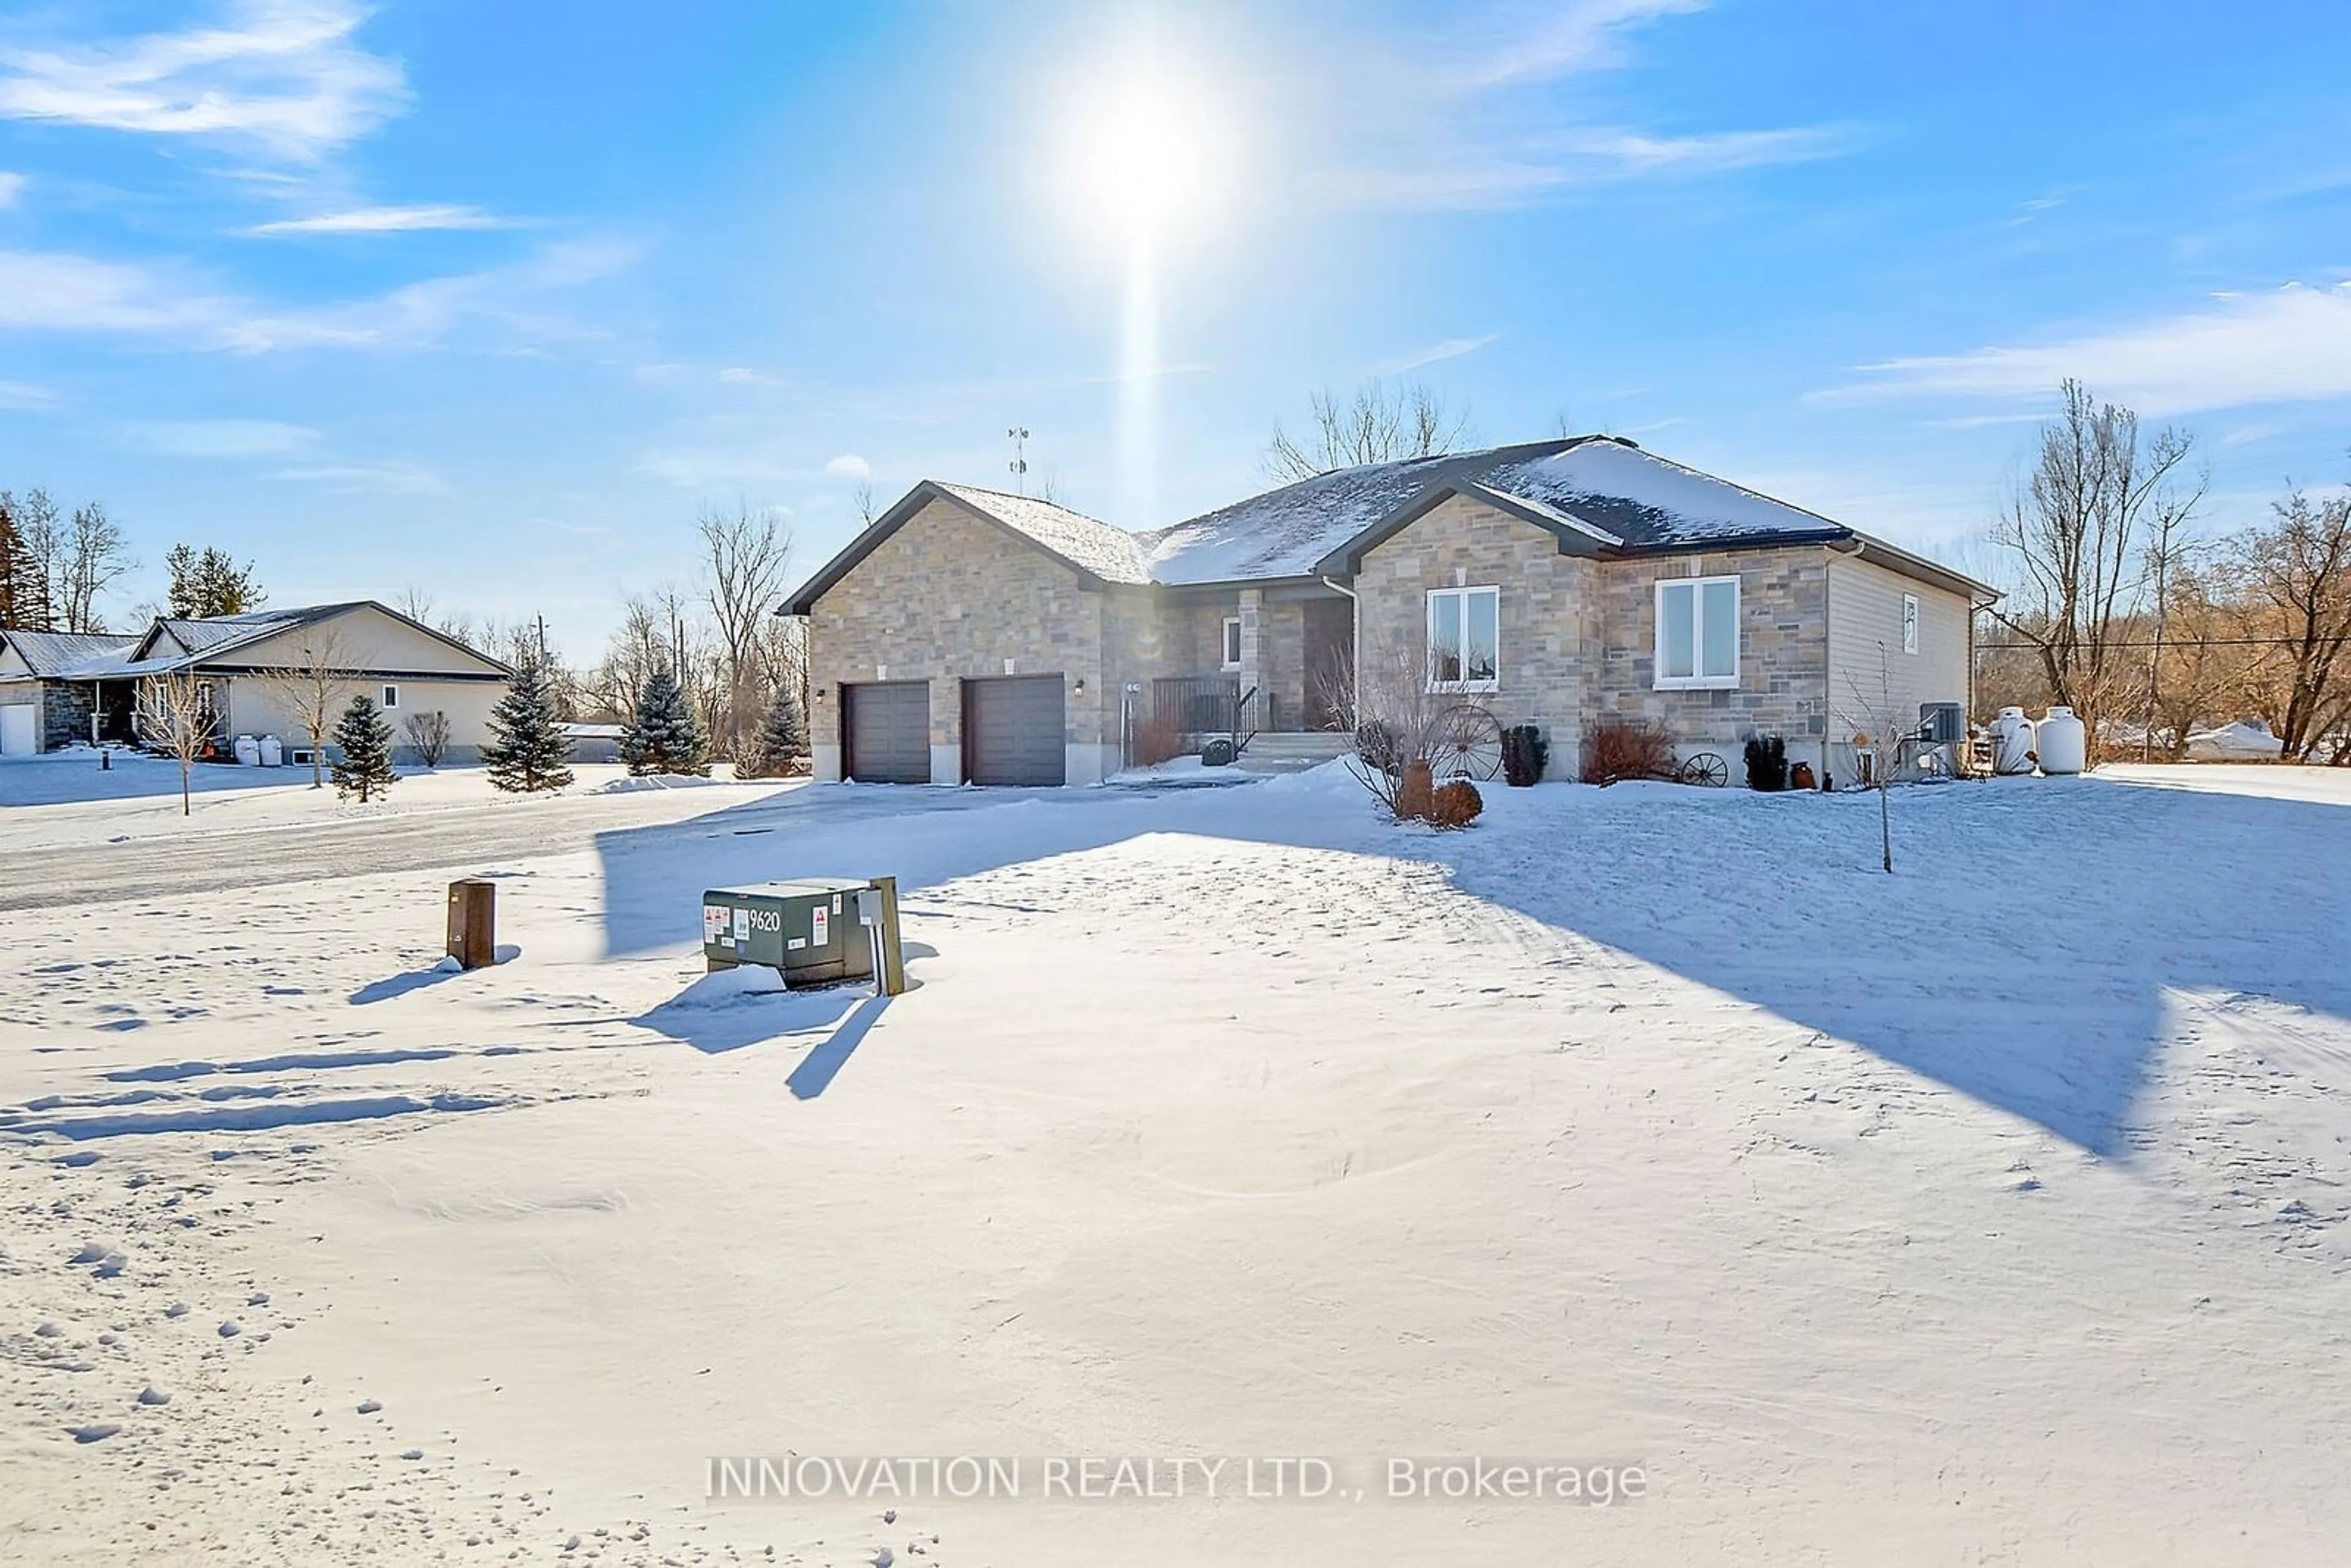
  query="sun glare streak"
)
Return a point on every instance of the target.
[
  {"x": 1138, "y": 392},
  {"x": 1145, "y": 149}
]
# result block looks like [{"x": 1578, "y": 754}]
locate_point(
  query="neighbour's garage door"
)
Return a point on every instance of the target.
[
  {"x": 885, "y": 726},
  {"x": 16, "y": 725},
  {"x": 1012, "y": 731}
]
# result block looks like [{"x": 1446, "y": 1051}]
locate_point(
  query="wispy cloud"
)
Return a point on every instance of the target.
[
  {"x": 849, "y": 466},
  {"x": 219, "y": 438},
  {"x": 11, "y": 187},
  {"x": 2286, "y": 345},
  {"x": 386, "y": 478},
  {"x": 283, "y": 76},
  {"x": 1454, "y": 122},
  {"x": 1435, "y": 353},
  {"x": 61, "y": 292},
  {"x": 386, "y": 221},
  {"x": 57, "y": 291},
  {"x": 25, "y": 394}
]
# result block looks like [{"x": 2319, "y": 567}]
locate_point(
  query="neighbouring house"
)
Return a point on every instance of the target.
[
  {"x": 243, "y": 662},
  {"x": 40, "y": 708},
  {"x": 971, "y": 636}
]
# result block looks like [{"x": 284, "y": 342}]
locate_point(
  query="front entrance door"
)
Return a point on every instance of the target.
[{"x": 1329, "y": 661}]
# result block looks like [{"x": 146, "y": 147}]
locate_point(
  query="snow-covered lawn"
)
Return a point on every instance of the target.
[{"x": 1990, "y": 1211}]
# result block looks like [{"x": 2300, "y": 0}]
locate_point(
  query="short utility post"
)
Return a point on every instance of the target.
[
  {"x": 474, "y": 922},
  {"x": 877, "y": 909}
]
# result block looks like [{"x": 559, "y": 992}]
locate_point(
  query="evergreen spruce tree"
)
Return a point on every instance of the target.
[
  {"x": 529, "y": 746},
  {"x": 662, "y": 735},
  {"x": 782, "y": 742},
  {"x": 364, "y": 738}
]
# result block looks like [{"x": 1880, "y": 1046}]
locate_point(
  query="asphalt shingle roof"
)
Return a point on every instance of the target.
[
  {"x": 1109, "y": 553},
  {"x": 50, "y": 654}
]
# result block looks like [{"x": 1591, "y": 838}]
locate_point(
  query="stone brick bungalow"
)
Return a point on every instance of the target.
[
  {"x": 971, "y": 636},
  {"x": 57, "y": 689}
]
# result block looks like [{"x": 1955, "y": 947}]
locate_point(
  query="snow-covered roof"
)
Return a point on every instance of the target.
[
  {"x": 50, "y": 654},
  {"x": 1602, "y": 495},
  {"x": 1109, "y": 553},
  {"x": 1287, "y": 532}
]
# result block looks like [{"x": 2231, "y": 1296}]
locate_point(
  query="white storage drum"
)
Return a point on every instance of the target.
[
  {"x": 248, "y": 751},
  {"x": 2064, "y": 745},
  {"x": 2011, "y": 742},
  {"x": 273, "y": 751}
]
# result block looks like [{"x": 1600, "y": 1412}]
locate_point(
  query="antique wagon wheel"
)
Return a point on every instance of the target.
[
  {"x": 1707, "y": 769},
  {"x": 1469, "y": 744}
]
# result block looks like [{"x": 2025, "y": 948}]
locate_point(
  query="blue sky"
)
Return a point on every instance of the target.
[{"x": 491, "y": 299}]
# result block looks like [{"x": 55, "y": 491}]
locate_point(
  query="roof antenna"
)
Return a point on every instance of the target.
[{"x": 1018, "y": 436}]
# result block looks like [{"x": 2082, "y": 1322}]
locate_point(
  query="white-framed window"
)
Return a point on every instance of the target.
[
  {"x": 391, "y": 696},
  {"x": 1465, "y": 638},
  {"x": 1697, "y": 633},
  {"x": 1232, "y": 642},
  {"x": 1909, "y": 622}
]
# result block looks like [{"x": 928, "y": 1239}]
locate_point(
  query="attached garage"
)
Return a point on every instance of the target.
[
  {"x": 20, "y": 729},
  {"x": 885, "y": 732},
  {"x": 1014, "y": 729}
]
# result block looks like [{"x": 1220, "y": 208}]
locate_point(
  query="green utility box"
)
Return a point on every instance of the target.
[{"x": 808, "y": 929}]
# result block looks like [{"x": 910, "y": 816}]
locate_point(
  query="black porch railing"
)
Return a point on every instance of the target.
[{"x": 1196, "y": 706}]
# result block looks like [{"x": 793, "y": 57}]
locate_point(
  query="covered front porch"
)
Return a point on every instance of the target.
[{"x": 1273, "y": 660}]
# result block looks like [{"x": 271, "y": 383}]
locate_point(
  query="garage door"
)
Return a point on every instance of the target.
[
  {"x": 16, "y": 725},
  {"x": 886, "y": 729},
  {"x": 1012, "y": 731}
]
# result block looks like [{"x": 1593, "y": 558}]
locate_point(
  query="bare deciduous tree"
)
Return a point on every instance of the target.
[
  {"x": 1376, "y": 425},
  {"x": 2077, "y": 530},
  {"x": 1399, "y": 716},
  {"x": 2299, "y": 569},
  {"x": 747, "y": 559},
  {"x": 174, "y": 715},
  {"x": 314, "y": 689},
  {"x": 1878, "y": 725},
  {"x": 428, "y": 735}
]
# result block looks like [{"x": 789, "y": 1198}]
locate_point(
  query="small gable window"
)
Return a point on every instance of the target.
[
  {"x": 1909, "y": 622},
  {"x": 392, "y": 697},
  {"x": 1232, "y": 642}
]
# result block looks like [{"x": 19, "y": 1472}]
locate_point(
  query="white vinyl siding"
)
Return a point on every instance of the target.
[
  {"x": 1465, "y": 647},
  {"x": 1870, "y": 622},
  {"x": 1697, "y": 633}
]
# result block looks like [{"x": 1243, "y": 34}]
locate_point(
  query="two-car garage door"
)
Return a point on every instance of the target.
[{"x": 1013, "y": 731}]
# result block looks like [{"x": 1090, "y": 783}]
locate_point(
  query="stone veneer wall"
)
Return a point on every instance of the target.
[
  {"x": 1783, "y": 655},
  {"x": 1578, "y": 635},
  {"x": 950, "y": 596},
  {"x": 1546, "y": 642},
  {"x": 65, "y": 714}
]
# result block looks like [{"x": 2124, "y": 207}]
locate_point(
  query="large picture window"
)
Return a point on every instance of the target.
[
  {"x": 1465, "y": 638},
  {"x": 1698, "y": 633}
]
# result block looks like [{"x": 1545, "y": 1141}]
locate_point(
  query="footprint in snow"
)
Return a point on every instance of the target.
[
  {"x": 96, "y": 1432},
  {"x": 151, "y": 1395}
]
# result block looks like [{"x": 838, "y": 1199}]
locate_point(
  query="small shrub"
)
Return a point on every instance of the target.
[
  {"x": 1525, "y": 754},
  {"x": 1455, "y": 804},
  {"x": 428, "y": 735},
  {"x": 1157, "y": 740},
  {"x": 1767, "y": 763},
  {"x": 1619, "y": 748},
  {"x": 1377, "y": 746},
  {"x": 1417, "y": 789}
]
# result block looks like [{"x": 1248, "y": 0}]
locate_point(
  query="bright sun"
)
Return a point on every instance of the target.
[{"x": 1144, "y": 148}]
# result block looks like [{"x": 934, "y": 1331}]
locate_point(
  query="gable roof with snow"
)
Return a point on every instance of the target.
[
  {"x": 1099, "y": 553},
  {"x": 173, "y": 643},
  {"x": 1600, "y": 495},
  {"x": 48, "y": 654}
]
